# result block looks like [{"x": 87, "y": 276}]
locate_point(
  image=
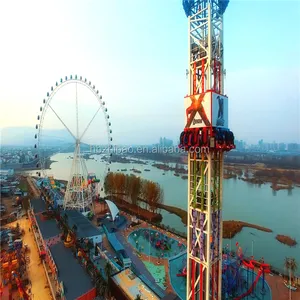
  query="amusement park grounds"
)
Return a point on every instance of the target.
[
  {"x": 38, "y": 282},
  {"x": 147, "y": 258},
  {"x": 279, "y": 291},
  {"x": 230, "y": 227}
]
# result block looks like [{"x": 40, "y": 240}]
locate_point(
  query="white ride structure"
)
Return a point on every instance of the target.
[{"x": 82, "y": 187}]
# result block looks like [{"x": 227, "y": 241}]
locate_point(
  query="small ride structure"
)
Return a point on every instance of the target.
[
  {"x": 70, "y": 240},
  {"x": 22, "y": 292},
  {"x": 12, "y": 267},
  {"x": 241, "y": 277},
  {"x": 182, "y": 273},
  {"x": 158, "y": 240}
]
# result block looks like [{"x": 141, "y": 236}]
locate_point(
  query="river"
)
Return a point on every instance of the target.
[{"x": 243, "y": 201}]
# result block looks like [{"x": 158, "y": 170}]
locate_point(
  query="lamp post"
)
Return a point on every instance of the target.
[{"x": 290, "y": 287}]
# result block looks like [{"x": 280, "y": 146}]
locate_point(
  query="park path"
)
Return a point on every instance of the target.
[{"x": 279, "y": 290}]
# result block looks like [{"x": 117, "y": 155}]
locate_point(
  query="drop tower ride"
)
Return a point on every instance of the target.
[{"x": 205, "y": 137}]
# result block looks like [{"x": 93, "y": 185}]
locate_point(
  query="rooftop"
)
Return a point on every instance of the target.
[
  {"x": 85, "y": 228},
  {"x": 38, "y": 205},
  {"x": 132, "y": 285},
  {"x": 48, "y": 228},
  {"x": 75, "y": 280}
]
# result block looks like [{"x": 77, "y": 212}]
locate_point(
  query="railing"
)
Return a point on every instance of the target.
[
  {"x": 144, "y": 279},
  {"x": 113, "y": 263},
  {"x": 275, "y": 270},
  {"x": 39, "y": 249}
]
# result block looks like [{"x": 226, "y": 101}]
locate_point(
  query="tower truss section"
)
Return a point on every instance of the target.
[{"x": 206, "y": 137}]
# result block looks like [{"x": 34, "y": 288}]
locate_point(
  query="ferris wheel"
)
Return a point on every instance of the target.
[{"x": 71, "y": 108}]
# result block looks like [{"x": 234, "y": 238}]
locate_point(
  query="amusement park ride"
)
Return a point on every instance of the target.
[
  {"x": 206, "y": 137},
  {"x": 12, "y": 267},
  {"x": 83, "y": 187}
]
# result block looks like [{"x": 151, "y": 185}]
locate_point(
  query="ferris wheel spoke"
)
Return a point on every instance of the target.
[
  {"x": 77, "y": 121},
  {"x": 62, "y": 121},
  {"x": 84, "y": 132}
]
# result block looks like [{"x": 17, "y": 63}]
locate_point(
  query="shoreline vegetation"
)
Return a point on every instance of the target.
[
  {"x": 280, "y": 179},
  {"x": 131, "y": 191},
  {"x": 254, "y": 173},
  {"x": 284, "y": 239},
  {"x": 231, "y": 228},
  {"x": 32, "y": 167}
]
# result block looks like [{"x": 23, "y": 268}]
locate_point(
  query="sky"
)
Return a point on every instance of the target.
[{"x": 135, "y": 52}]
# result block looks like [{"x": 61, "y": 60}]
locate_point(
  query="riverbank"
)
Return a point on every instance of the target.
[
  {"x": 260, "y": 174},
  {"x": 32, "y": 167},
  {"x": 176, "y": 169},
  {"x": 231, "y": 228},
  {"x": 284, "y": 239},
  {"x": 135, "y": 210}
]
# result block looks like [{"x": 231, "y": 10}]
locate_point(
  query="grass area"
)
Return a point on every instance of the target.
[{"x": 158, "y": 272}]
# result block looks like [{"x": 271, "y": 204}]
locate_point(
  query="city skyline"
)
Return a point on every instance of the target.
[
  {"x": 150, "y": 79},
  {"x": 61, "y": 136}
]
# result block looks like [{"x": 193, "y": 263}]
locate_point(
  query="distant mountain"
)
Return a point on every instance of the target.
[{"x": 24, "y": 136}]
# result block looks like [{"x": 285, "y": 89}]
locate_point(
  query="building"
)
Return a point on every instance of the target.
[
  {"x": 75, "y": 281},
  {"x": 71, "y": 279},
  {"x": 7, "y": 172},
  {"x": 125, "y": 285},
  {"x": 84, "y": 228}
]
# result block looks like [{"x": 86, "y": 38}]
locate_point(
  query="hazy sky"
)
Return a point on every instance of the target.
[{"x": 135, "y": 52}]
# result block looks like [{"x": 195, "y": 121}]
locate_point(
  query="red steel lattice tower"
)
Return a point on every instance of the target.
[{"x": 205, "y": 137}]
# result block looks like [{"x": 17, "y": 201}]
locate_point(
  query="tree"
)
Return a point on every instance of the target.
[
  {"x": 96, "y": 251},
  {"x": 154, "y": 195},
  {"x": 291, "y": 265},
  {"x": 134, "y": 188},
  {"x": 101, "y": 285},
  {"x": 120, "y": 180},
  {"x": 138, "y": 297},
  {"x": 108, "y": 271},
  {"x": 109, "y": 184},
  {"x": 66, "y": 218},
  {"x": 74, "y": 228}
]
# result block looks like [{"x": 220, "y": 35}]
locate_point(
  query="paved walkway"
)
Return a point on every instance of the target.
[
  {"x": 36, "y": 272},
  {"x": 137, "y": 262},
  {"x": 279, "y": 290},
  {"x": 33, "y": 187}
]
